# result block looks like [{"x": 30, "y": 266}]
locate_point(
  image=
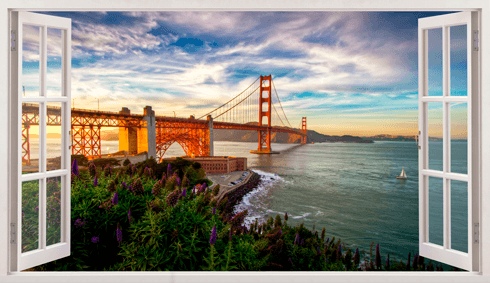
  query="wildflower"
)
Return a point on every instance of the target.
[
  {"x": 212, "y": 239},
  {"x": 277, "y": 222},
  {"x": 169, "y": 169},
  {"x": 323, "y": 233},
  {"x": 157, "y": 188},
  {"x": 408, "y": 261},
  {"x": 115, "y": 198},
  {"x": 214, "y": 210},
  {"x": 124, "y": 186},
  {"x": 237, "y": 220},
  {"x": 230, "y": 235},
  {"x": 296, "y": 240},
  {"x": 74, "y": 168},
  {"x": 387, "y": 262},
  {"x": 184, "y": 193},
  {"x": 204, "y": 186},
  {"x": 378, "y": 257},
  {"x": 286, "y": 217},
  {"x": 95, "y": 182},
  {"x": 415, "y": 261},
  {"x": 95, "y": 240},
  {"x": 302, "y": 242},
  {"x": 318, "y": 250},
  {"x": 85, "y": 186},
  {"x": 339, "y": 252},
  {"x": 79, "y": 223},
  {"x": 107, "y": 170},
  {"x": 137, "y": 187},
  {"x": 357, "y": 257},
  {"x": 178, "y": 182},
  {"x": 173, "y": 197},
  {"x": 119, "y": 233},
  {"x": 129, "y": 214},
  {"x": 112, "y": 186},
  {"x": 421, "y": 262},
  {"x": 92, "y": 169}
]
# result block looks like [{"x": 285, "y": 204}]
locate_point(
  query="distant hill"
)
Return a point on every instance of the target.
[
  {"x": 397, "y": 138},
  {"x": 313, "y": 136}
]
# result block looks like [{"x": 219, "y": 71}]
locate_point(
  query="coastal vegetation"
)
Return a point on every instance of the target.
[{"x": 165, "y": 217}]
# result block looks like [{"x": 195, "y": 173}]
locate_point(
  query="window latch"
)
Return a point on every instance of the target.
[
  {"x": 13, "y": 40},
  {"x": 13, "y": 234},
  {"x": 476, "y": 41},
  {"x": 476, "y": 233}
]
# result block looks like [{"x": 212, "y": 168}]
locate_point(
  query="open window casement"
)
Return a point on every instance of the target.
[
  {"x": 449, "y": 139},
  {"x": 41, "y": 176}
]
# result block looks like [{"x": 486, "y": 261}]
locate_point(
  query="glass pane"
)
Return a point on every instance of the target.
[
  {"x": 436, "y": 232},
  {"x": 30, "y": 138},
  {"x": 435, "y": 135},
  {"x": 458, "y": 56},
  {"x": 30, "y": 215},
  {"x": 459, "y": 216},
  {"x": 53, "y": 210},
  {"x": 30, "y": 60},
  {"x": 459, "y": 137},
  {"x": 53, "y": 138},
  {"x": 435, "y": 61},
  {"x": 53, "y": 82}
]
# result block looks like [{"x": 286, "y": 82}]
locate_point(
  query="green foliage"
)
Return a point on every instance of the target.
[
  {"x": 126, "y": 162},
  {"x": 167, "y": 231},
  {"x": 81, "y": 160},
  {"x": 103, "y": 162}
]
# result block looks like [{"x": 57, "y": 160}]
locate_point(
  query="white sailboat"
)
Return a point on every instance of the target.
[{"x": 403, "y": 174}]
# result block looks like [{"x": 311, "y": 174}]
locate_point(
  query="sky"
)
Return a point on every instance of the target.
[{"x": 349, "y": 73}]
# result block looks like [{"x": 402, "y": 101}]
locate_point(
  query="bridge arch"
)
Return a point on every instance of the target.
[{"x": 193, "y": 139}]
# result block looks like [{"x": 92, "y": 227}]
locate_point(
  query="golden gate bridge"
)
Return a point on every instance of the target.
[{"x": 253, "y": 109}]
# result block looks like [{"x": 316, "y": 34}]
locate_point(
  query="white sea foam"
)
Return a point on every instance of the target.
[
  {"x": 302, "y": 216},
  {"x": 255, "y": 201}
]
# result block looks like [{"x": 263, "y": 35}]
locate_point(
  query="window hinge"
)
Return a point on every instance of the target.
[
  {"x": 13, "y": 40},
  {"x": 13, "y": 234},
  {"x": 476, "y": 40},
  {"x": 476, "y": 233}
]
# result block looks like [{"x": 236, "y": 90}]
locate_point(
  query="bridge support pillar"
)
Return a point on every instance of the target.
[
  {"x": 265, "y": 97},
  {"x": 149, "y": 118},
  {"x": 211, "y": 137},
  {"x": 303, "y": 130},
  {"x": 128, "y": 136}
]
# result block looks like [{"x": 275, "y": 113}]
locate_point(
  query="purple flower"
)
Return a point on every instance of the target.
[
  {"x": 204, "y": 187},
  {"x": 119, "y": 233},
  {"x": 378, "y": 257},
  {"x": 85, "y": 186},
  {"x": 124, "y": 186},
  {"x": 296, "y": 240},
  {"x": 115, "y": 198},
  {"x": 169, "y": 169},
  {"x": 95, "y": 240},
  {"x": 214, "y": 210},
  {"x": 214, "y": 234},
  {"x": 178, "y": 182},
  {"x": 184, "y": 192},
  {"x": 339, "y": 252},
  {"x": 74, "y": 167},
  {"x": 95, "y": 182},
  {"x": 37, "y": 208},
  {"x": 357, "y": 257},
  {"x": 318, "y": 250},
  {"x": 129, "y": 214},
  {"x": 415, "y": 261},
  {"x": 79, "y": 223}
]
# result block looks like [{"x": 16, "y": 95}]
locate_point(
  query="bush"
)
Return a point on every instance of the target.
[
  {"x": 81, "y": 160},
  {"x": 126, "y": 162}
]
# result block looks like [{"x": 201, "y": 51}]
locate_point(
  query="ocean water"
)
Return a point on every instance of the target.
[{"x": 351, "y": 190}]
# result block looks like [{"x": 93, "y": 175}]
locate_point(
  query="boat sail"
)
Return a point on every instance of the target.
[{"x": 403, "y": 175}]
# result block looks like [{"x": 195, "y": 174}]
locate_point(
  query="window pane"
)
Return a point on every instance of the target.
[
  {"x": 30, "y": 60},
  {"x": 435, "y": 61},
  {"x": 53, "y": 138},
  {"x": 30, "y": 138},
  {"x": 435, "y": 211},
  {"x": 30, "y": 215},
  {"x": 458, "y": 56},
  {"x": 459, "y": 137},
  {"x": 53, "y": 210},
  {"x": 53, "y": 82},
  {"x": 435, "y": 135},
  {"x": 459, "y": 216}
]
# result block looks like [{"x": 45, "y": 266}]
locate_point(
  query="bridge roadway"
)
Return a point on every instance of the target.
[{"x": 138, "y": 133}]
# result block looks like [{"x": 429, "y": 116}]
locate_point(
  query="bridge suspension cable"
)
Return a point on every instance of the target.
[{"x": 280, "y": 104}]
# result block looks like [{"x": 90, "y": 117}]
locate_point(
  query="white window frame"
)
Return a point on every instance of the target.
[{"x": 483, "y": 6}]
